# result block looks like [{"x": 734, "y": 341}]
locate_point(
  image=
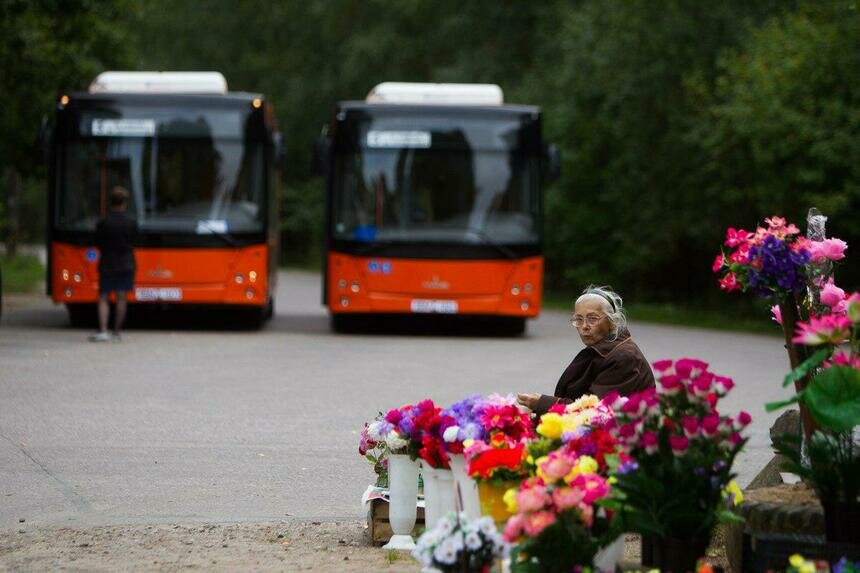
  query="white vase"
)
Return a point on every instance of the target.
[
  {"x": 403, "y": 498},
  {"x": 468, "y": 488},
  {"x": 438, "y": 494},
  {"x": 610, "y": 555}
]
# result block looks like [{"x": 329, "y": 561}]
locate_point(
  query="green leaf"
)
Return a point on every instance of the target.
[
  {"x": 833, "y": 397},
  {"x": 806, "y": 366},
  {"x": 771, "y": 406}
]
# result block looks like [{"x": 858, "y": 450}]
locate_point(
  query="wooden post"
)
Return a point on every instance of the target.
[{"x": 796, "y": 355}]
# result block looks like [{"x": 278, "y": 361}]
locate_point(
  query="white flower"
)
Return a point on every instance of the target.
[
  {"x": 450, "y": 434},
  {"x": 395, "y": 441},
  {"x": 473, "y": 541},
  {"x": 487, "y": 526},
  {"x": 373, "y": 430},
  {"x": 445, "y": 552},
  {"x": 456, "y": 539},
  {"x": 444, "y": 527},
  {"x": 422, "y": 555}
]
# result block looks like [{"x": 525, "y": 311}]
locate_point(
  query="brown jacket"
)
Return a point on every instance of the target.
[{"x": 599, "y": 369}]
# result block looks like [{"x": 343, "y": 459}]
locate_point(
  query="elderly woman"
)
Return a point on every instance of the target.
[{"x": 610, "y": 361}]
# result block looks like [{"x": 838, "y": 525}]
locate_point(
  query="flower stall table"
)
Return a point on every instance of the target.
[
  {"x": 375, "y": 499},
  {"x": 782, "y": 520}
]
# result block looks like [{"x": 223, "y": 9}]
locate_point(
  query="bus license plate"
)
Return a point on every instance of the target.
[
  {"x": 164, "y": 293},
  {"x": 437, "y": 306}
]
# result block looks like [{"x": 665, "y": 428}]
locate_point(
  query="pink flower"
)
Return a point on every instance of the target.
[
  {"x": 586, "y": 512},
  {"x": 799, "y": 244},
  {"x": 663, "y": 366},
  {"x": 532, "y": 499},
  {"x": 741, "y": 255},
  {"x": 611, "y": 399},
  {"x": 513, "y": 528},
  {"x": 702, "y": 385},
  {"x": 827, "y": 329},
  {"x": 718, "y": 263},
  {"x": 627, "y": 431},
  {"x": 635, "y": 406},
  {"x": 828, "y": 249},
  {"x": 691, "y": 426},
  {"x": 556, "y": 467},
  {"x": 735, "y": 439},
  {"x": 650, "y": 443},
  {"x": 671, "y": 384},
  {"x": 744, "y": 419},
  {"x": 832, "y": 295},
  {"x": 690, "y": 367},
  {"x": 679, "y": 444},
  {"x": 537, "y": 522},
  {"x": 710, "y": 424},
  {"x": 725, "y": 383},
  {"x": 593, "y": 486},
  {"x": 729, "y": 282},
  {"x": 567, "y": 497},
  {"x": 735, "y": 237},
  {"x": 777, "y": 313},
  {"x": 842, "y": 358}
]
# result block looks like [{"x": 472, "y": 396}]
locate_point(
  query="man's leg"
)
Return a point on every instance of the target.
[
  {"x": 104, "y": 312},
  {"x": 121, "y": 306}
]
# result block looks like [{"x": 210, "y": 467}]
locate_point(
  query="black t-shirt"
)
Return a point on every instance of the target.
[{"x": 115, "y": 236}]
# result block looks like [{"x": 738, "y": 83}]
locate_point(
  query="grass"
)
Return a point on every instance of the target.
[
  {"x": 392, "y": 555},
  {"x": 730, "y": 318},
  {"x": 21, "y": 273}
]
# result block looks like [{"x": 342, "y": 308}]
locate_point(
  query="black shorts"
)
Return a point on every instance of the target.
[{"x": 116, "y": 282}]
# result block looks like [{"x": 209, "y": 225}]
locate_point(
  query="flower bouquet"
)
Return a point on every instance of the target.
[
  {"x": 457, "y": 544},
  {"x": 777, "y": 262},
  {"x": 555, "y": 524},
  {"x": 682, "y": 449},
  {"x": 373, "y": 447}
]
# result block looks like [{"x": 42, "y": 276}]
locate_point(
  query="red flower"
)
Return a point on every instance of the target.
[{"x": 485, "y": 463}]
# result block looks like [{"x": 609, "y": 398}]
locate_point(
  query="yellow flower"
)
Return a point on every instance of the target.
[
  {"x": 468, "y": 442},
  {"x": 550, "y": 426},
  {"x": 587, "y": 464},
  {"x": 510, "y": 499},
  {"x": 612, "y": 480},
  {"x": 587, "y": 401},
  {"x": 796, "y": 560},
  {"x": 735, "y": 492}
]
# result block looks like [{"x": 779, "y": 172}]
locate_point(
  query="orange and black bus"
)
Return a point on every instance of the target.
[
  {"x": 434, "y": 204},
  {"x": 199, "y": 163}
]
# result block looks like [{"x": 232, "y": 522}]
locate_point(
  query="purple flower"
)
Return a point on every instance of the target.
[{"x": 627, "y": 467}]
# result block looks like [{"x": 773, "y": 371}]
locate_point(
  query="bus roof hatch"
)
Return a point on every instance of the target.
[
  {"x": 160, "y": 82},
  {"x": 436, "y": 94}
]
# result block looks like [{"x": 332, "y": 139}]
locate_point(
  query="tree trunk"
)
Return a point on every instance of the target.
[{"x": 796, "y": 355}]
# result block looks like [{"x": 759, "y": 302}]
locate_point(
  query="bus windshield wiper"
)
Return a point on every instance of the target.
[
  {"x": 226, "y": 237},
  {"x": 487, "y": 240}
]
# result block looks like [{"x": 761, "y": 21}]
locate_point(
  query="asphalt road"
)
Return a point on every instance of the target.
[{"x": 181, "y": 424}]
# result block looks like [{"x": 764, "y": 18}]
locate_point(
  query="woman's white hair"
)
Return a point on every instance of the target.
[{"x": 612, "y": 304}]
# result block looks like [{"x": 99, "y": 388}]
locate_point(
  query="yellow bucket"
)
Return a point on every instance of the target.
[{"x": 492, "y": 500}]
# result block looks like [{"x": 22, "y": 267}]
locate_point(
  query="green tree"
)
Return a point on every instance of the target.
[{"x": 46, "y": 48}]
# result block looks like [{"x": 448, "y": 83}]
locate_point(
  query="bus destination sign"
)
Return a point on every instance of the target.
[
  {"x": 398, "y": 139},
  {"x": 123, "y": 127}
]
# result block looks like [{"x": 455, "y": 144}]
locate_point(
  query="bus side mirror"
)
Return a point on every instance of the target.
[
  {"x": 322, "y": 147},
  {"x": 553, "y": 163}
]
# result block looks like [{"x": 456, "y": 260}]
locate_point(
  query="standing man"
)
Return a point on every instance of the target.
[{"x": 115, "y": 235}]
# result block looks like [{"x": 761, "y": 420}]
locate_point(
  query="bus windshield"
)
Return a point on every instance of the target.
[
  {"x": 181, "y": 184},
  {"x": 436, "y": 195}
]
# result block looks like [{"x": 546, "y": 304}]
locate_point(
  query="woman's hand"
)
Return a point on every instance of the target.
[{"x": 529, "y": 400}]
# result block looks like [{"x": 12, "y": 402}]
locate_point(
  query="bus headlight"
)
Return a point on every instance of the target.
[
  {"x": 528, "y": 288},
  {"x": 515, "y": 290},
  {"x": 65, "y": 274},
  {"x": 68, "y": 292},
  {"x": 249, "y": 294},
  {"x": 239, "y": 278},
  {"x": 354, "y": 287},
  {"x": 252, "y": 276},
  {"x": 341, "y": 283},
  {"x": 78, "y": 277},
  {"x": 344, "y": 301},
  {"x": 524, "y": 305}
]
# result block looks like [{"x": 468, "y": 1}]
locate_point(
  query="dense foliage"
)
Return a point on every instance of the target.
[{"x": 675, "y": 119}]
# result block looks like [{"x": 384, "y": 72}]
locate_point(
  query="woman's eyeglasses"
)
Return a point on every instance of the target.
[{"x": 591, "y": 319}]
